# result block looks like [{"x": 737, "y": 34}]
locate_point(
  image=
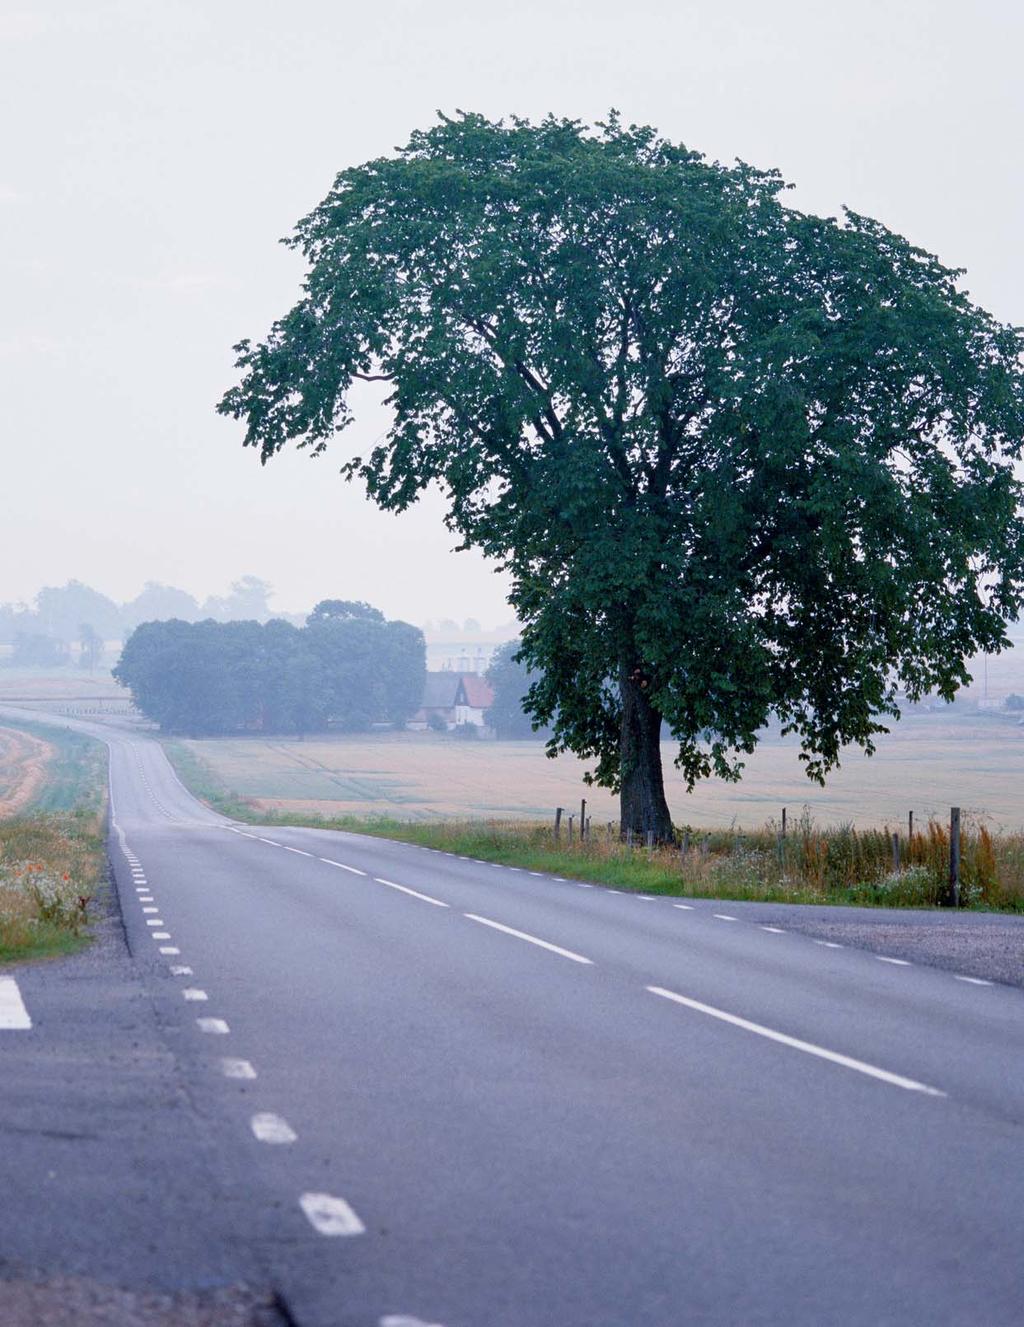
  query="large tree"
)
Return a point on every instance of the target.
[{"x": 739, "y": 461}]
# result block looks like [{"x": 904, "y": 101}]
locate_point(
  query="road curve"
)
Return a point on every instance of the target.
[{"x": 450, "y": 1092}]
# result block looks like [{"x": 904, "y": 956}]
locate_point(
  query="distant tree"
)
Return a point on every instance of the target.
[
  {"x": 471, "y": 627},
  {"x": 1014, "y": 702},
  {"x": 225, "y": 677},
  {"x": 738, "y": 461},
  {"x": 247, "y": 601},
  {"x": 90, "y": 646},
  {"x": 15, "y": 620},
  {"x": 340, "y": 610},
  {"x": 34, "y": 650},
  {"x": 62, "y": 610},
  {"x": 192, "y": 678},
  {"x": 510, "y": 680},
  {"x": 404, "y": 672},
  {"x": 296, "y": 696},
  {"x": 156, "y": 603}
]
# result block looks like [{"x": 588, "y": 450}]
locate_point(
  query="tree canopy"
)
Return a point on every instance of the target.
[
  {"x": 228, "y": 677},
  {"x": 738, "y": 461},
  {"x": 510, "y": 680}
]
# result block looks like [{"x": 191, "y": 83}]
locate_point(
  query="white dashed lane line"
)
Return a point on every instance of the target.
[
  {"x": 974, "y": 981},
  {"x": 329, "y": 1215},
  {"x": 414, "y": 892},
  {"x": 846, "y": 1061},
  {"x": 301, "y": 852},
  {"x": 773, "y": 930},
  {"x": 270, "y": 1128},
  {"x": 237, "y": 1069},
  {"x": 169, "y": 949},
  {"x": 216, "y": 1026},
  {"x": 328, "y": 861},
  {"x": 685, "y": 907},
  {"x": 530, "y": 939},
  {"x": 899, "y": 962},
  {"x": 180, "y": 970},
  {"x": 828, "y": 944},
  {"x": 724, "y": 917},
  {"x": 193, "y": 993}
]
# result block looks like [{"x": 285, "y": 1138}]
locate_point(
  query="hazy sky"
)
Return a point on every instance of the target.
[{"x": 153, "y": 151}]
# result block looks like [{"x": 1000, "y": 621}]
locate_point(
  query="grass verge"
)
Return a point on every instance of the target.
[
  {"x": 53, "y": 859},
  {"x": 810, "y": 865}
]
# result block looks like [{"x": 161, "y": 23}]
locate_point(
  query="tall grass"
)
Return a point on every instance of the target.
[{"x": 53, "y": 858}]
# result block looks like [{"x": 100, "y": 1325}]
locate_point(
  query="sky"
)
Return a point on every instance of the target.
[{"x": 152, "y": 152}]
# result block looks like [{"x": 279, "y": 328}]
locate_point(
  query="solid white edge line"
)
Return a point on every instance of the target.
[
  {"x": 13, "y": 1014},
  {"x": 808, "y": 1047},
  {"x": 531, "y": 939},
  {"x": 329, "y": 1215},
  {"x": 414, "y": 892},
  {"x": 341, "y": 866}
]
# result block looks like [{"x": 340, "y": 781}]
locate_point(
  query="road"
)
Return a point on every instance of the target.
[{"x": 449, "y": 1092}]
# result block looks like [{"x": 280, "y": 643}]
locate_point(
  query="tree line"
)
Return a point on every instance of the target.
[
  {"x": 62, "y": 617},
  {"x": 348, "y": 668}
]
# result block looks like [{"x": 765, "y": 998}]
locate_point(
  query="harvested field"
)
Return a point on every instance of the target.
[{"x": 928, "y": 763}]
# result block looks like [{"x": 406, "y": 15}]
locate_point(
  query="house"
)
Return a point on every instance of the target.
[{"x": 451, "y": 699}]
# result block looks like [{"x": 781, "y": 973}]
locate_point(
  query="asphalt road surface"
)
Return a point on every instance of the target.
[{"x": 442, "y": 1091}]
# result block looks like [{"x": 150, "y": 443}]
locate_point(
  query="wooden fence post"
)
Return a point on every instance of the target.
[
  {"x": 558, "y": 823},
  {"x": 783, "y": 822},
  {"x": 583, "y": 818},
  {"x": 895, "y": 852},
  {"x": 954, "y": 854},
  {"x": 571, "y": 818},
  {"x": 910, "y": 827}
]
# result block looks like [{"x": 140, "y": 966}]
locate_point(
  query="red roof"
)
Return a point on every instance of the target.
[{"x": 479, "y": 693}]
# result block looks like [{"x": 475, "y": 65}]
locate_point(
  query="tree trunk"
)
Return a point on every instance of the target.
[{"x": 642, "y": 796}]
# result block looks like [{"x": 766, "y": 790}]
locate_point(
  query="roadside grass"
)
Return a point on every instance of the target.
[
  {"x": 842, "y": 865},
  {"x": 76, "y": 779},
  {"x": 53, "y": 858}
]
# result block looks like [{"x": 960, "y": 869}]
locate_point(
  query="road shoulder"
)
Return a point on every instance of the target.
[{"x": 107, "y": 1170}]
